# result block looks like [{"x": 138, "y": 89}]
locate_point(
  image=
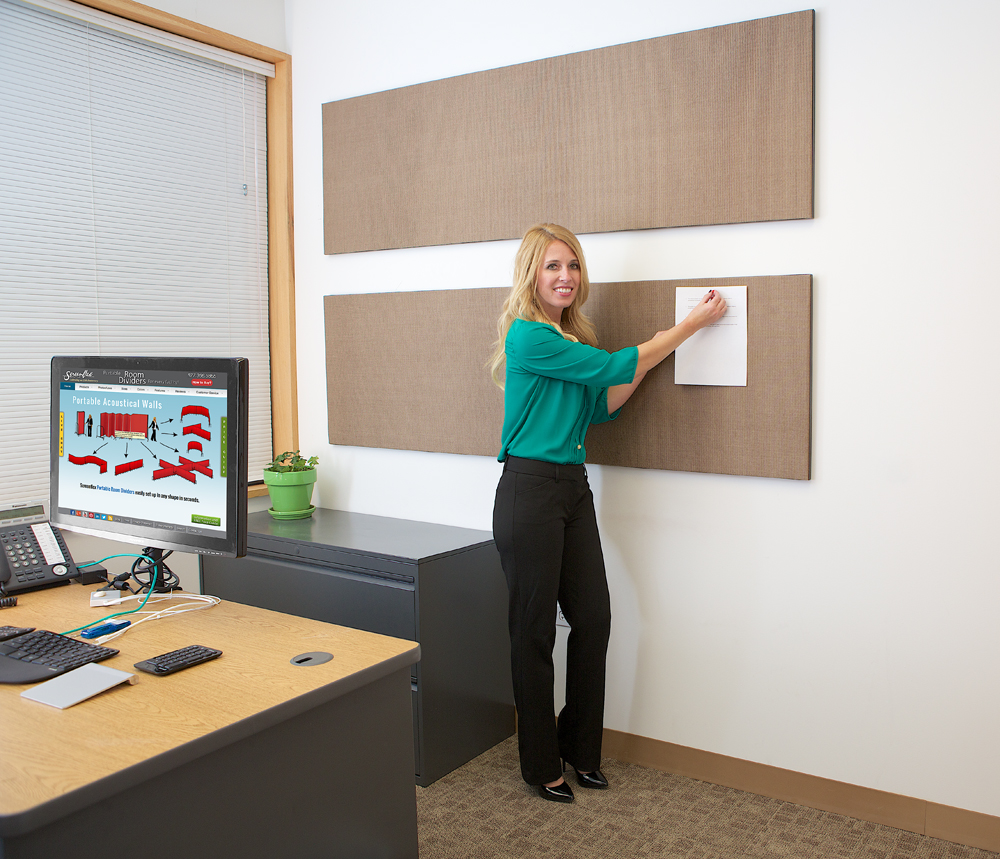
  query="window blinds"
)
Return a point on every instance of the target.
[{"x": 134, "y": 217}]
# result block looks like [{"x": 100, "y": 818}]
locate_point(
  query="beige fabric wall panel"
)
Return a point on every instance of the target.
[
  {"x": 761, "y": 430},
  {"x": 709, "y": 127},
  {"x": 406, "y": 370},
  {"x": 424, "y": 386}
]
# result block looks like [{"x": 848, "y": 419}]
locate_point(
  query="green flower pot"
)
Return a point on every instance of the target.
[{"x": 291, "y": 493}]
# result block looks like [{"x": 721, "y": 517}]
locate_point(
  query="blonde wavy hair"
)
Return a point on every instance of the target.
[{"x": 522, "y": 303}]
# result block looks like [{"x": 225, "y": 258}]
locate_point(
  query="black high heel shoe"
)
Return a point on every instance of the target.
[
  {"x": 594, "y": 780},
  {"x": 557, "y": 793}
]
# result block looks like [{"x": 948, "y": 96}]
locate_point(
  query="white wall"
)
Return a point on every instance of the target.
[
  {"x": 844, "y": 626},
  {"x": 260, "y": 21}
]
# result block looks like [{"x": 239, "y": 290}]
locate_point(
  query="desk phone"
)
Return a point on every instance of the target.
[{"x": 33, "y": 554}]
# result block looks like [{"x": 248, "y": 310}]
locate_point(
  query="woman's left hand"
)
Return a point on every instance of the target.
[{"x": 709, "y": 310}]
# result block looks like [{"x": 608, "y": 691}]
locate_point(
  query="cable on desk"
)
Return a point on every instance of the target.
[
  {"x": 144, "y": 565},
  {"x": 191, "y": 604},
  {"x": 194, "y": 602},
  {"x": 108, "y": 617},
  {"x": 84, "y": 566}
]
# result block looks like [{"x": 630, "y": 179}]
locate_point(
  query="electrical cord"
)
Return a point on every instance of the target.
[
  {"x": 193, "y": 602},
  {"x": 105, "y": 558},
  {"x": 108, "y": 617},
  {"x": 169, "y": 580},
  {"x": 147, "y": 589}
]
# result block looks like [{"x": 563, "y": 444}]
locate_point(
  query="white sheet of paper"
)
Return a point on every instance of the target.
[
  {"x": 77, "y": 685},
  {"x": 716, "y": 355}
]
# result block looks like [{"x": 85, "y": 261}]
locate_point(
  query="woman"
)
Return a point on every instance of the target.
[{"x": 558, "y": 383}]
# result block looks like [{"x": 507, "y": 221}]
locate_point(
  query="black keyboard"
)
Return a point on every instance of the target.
[
  {"x": 41, "y": 655},
  {"x": 168, "y": 663}
]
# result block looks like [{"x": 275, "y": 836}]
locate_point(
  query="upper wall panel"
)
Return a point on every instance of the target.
[{"x": 709, "y": 127}]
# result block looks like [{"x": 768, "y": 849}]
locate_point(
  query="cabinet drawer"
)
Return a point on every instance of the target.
[{"x": 346, "y": 598}]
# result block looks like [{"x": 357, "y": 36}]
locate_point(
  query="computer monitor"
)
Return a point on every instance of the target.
[{"x": 151, "y": 451}]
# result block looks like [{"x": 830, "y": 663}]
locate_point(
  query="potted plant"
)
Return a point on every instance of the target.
[{"x": 290, "y": 479}]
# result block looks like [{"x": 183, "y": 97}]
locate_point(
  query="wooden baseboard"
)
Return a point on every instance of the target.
[
  {"x": 963, "y": 827},
  {"x": 958, "y": 825}
]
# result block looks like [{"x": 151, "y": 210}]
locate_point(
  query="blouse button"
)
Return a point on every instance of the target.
[{"x": 579, "y": 446}]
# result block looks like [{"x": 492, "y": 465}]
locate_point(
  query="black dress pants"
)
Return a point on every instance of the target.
[{"x": 545, "y": 528}]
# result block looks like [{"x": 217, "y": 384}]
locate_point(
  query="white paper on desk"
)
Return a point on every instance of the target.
[
  {"x": 716, "y": 355},
  {"x": 77, "y": 685}
]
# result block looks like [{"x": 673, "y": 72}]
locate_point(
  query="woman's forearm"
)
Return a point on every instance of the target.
[
  {"x": 660, "y": 345},
  {"x": 710, "y": 309},
  {"x": 651, "y": 353}
]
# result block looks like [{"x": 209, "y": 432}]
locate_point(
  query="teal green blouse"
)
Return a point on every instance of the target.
[{"x": 554, "y": 390}]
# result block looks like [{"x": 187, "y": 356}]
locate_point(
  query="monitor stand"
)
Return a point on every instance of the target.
[{"x": 158, "y": 574}]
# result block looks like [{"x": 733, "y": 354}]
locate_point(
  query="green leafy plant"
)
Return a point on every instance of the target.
[{"x": 290, "y": 460}]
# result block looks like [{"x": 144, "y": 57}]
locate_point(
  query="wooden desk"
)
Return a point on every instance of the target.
[{"x": 247, "y": 755}]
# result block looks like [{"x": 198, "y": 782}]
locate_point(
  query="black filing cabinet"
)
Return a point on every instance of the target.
[{"x": 435, "y": 584}]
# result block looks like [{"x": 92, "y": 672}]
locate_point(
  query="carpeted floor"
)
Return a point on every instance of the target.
[{"x": 484, "y": 811}]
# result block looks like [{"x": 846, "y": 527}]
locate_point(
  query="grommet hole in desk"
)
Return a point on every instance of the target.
[{"x": 315, "y": 658}]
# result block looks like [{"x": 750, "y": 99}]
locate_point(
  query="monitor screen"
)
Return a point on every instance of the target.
[{"x": 151, "y": 451}]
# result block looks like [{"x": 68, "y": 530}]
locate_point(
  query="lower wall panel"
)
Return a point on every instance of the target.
[{"x": 407, "y": 371}]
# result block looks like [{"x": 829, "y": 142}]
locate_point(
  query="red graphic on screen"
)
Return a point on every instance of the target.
[
  {"x": 197, "y": 429},
  {"x": 88, "y": 460},
  {"x": 124, "y": 436},
  {"x": 183, "y": 470},
  {"x": 128, "y": 466},
  {"x": 196, "y": 410}
]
